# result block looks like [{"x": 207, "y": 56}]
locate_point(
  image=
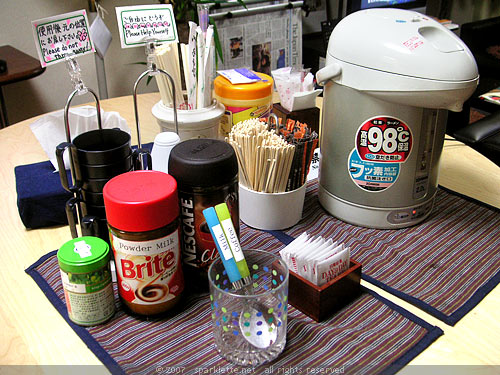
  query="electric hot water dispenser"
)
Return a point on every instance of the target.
[{"x": 390, "y": 77}]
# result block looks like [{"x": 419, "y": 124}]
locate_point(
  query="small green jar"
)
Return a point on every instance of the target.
[{"x": 86, "y": 279}]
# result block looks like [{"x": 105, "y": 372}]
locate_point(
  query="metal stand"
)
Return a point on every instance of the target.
[
  {"x": 253, "y": 10},
  {"x": 151, "y": 71},
  {"x": 80, "y": 89},
  {"x": 90, "y": 224}
]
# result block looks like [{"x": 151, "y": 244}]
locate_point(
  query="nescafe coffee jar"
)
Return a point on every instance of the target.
[
  {"x": 142, "y": 210},
  {"x": 206, "y": 171}
]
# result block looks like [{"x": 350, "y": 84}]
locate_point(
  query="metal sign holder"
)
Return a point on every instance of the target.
[
  {"x": 152, "y": 70},
  {"x": 79, "y": 89}
]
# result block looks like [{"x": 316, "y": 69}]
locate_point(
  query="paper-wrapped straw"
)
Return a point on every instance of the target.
[{"x": 197, "y": 65}]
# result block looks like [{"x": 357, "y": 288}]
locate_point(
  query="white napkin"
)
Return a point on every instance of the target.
[
  {"x": 50, "y": 130},
  {"x": 295, "y": 88}
]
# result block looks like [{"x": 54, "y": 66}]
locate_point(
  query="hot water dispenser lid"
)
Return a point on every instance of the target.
[{"x": 402, "y": 42}]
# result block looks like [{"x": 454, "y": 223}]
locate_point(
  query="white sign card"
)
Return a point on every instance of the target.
[
  {"x": 57, "y": 36},
  {"x": 138, "y": 23}
]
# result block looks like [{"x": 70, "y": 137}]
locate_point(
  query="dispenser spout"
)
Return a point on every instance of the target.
[{"x": 456, "y": 107}]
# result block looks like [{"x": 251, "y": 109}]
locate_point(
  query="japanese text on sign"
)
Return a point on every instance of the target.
[
  {"x": 382, "y": 145},
  {"x": 58, "y": 36},
  {"x": 413, "y": 43},
  {"x": 136, "y": 24},
  {"x": 372, "y": 176}
]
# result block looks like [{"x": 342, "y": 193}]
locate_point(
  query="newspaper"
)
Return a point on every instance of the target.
[{"x": 261, "y": 42}]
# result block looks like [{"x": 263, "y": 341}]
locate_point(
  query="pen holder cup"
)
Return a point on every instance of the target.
[
  {"x": 320, "y": 302},
  {"x": 249, "y": 324},
  {"x": 193, "y": 123},
  {"x": 271, "y": 211}
]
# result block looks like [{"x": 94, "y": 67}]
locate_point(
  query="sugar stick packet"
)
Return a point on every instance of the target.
[
  {"x": 329, "y": 268},
  {"x": 316, "y": 259},
  {"x": 289, "y": 253}
]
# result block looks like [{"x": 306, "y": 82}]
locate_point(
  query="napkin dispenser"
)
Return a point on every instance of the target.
[{"x": 309, "y": 116}]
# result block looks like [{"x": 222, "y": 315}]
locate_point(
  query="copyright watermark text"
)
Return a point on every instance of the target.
[
  {"x": 170, "y": 370},
  {"x": 216, "y": 370}
]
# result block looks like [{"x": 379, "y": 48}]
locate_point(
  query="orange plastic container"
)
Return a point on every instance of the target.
[{"x": 243, "y": 101}]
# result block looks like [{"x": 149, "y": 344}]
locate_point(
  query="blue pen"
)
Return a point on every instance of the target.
[{"x": 223, "y": 247}]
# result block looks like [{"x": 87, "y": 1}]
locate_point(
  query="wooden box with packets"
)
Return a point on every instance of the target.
[
  {"x": 323, "y": 277},
  {"x": 321, "y": 302}
]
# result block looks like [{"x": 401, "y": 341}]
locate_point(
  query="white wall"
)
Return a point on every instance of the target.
[{"x": 50, "y": 90}]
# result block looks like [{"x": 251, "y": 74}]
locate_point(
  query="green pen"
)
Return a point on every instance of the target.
[{"x": 232, "y": 238}]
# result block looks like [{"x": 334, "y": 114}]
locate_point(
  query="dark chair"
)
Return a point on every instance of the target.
[
  {"x": 483, "y": 39},
  {"x": 483, "y": 136}
]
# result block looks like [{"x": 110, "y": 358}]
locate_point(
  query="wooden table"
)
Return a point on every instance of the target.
[
  {"x": 20, "y": 66},
  {"x": 34, "y": 333}
]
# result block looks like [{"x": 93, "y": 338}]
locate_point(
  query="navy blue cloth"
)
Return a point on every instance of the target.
[{"x": 41, "y": 199}]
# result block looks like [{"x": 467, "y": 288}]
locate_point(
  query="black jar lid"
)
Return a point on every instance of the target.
[{"x": 203, "y": 163}]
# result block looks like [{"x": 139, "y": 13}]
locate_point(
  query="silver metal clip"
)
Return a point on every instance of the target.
[
  {"x": 276, "y": 122},
  {"x": 75, "y": 74},
  {"x": 150, "y": 56}
]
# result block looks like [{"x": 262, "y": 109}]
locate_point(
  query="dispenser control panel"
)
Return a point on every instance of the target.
[
  {"x": 409, "y": 215},
  {"x": 425, "y": 153}
]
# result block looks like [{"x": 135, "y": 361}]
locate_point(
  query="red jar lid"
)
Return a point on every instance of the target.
[{"x": 140, "y": 201}]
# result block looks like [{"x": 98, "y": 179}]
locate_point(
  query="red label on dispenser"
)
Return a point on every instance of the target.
[{"x": 384, "y": 139}]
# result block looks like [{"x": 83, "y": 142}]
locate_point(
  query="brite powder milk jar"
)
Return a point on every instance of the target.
[
  {"x": 243, "y": 101},
  {"x": 142, "y": 210},
  {"x": 86, "y": 279}
]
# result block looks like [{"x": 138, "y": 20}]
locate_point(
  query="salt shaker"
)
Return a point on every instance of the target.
[{"x": 163, "y": 144}]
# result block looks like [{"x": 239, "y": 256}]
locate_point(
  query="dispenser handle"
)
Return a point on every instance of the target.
[
  {"x": 71, "y": 206},
  {"x": 328, "y": 72},
  {"x": 60, "y": 149}
]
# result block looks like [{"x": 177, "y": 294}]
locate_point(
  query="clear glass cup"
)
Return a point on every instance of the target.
[{"x": 249, "y": 324}]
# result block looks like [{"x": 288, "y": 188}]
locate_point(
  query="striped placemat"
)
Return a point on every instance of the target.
[
  {"x": 444, "y": 265},
  {"x": 369, "y": 336}
]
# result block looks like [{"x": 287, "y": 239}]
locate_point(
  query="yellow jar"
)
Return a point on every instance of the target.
[{"x": 243, "y": 101}]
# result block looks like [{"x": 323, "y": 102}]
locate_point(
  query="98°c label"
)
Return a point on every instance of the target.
[{"x": 382, "y": 144}]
